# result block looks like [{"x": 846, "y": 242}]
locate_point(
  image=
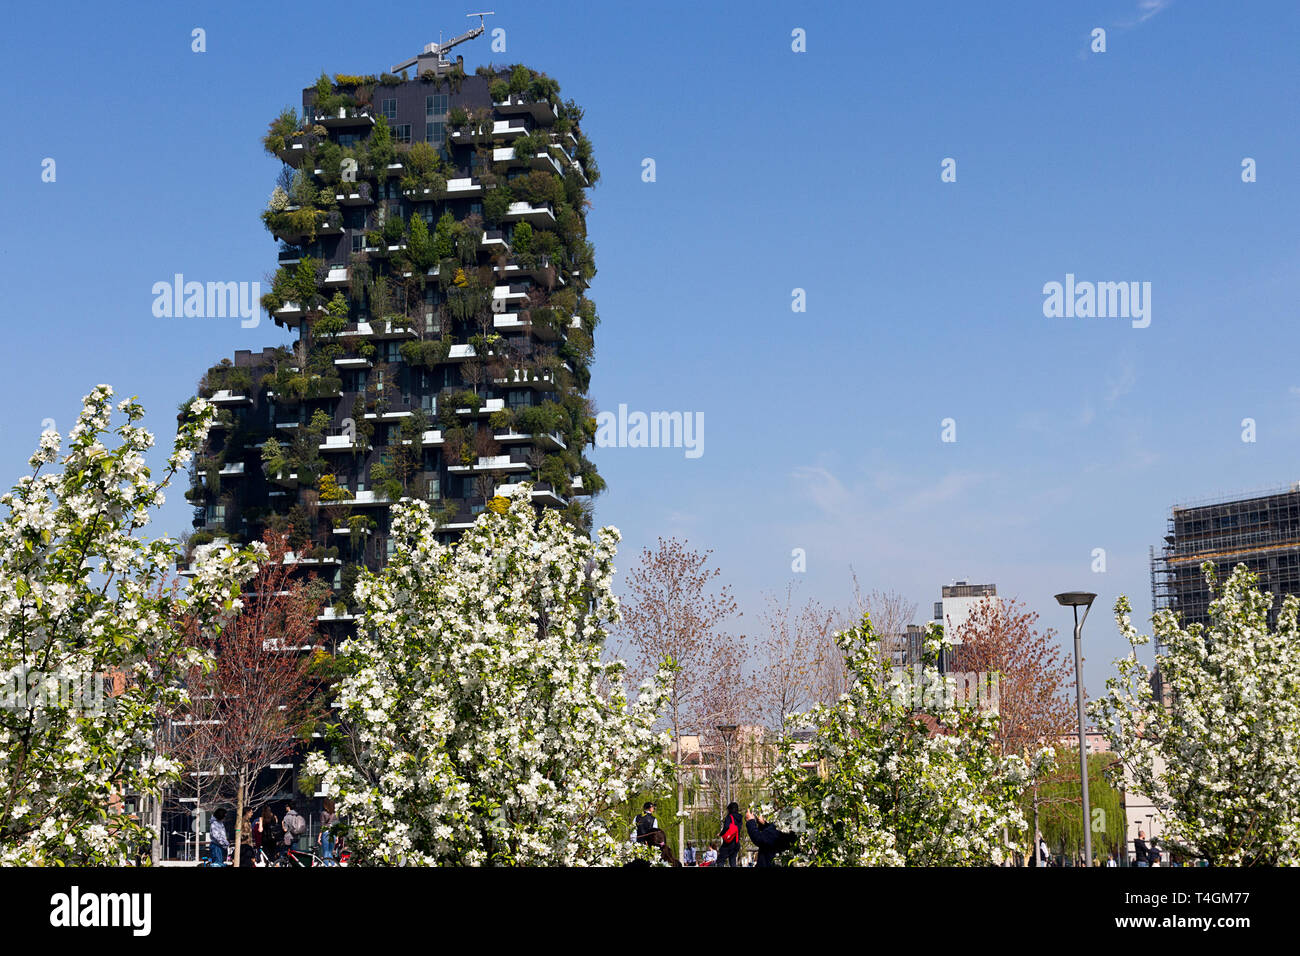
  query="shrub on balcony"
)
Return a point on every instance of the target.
[
  {"x": 380, "y": 150},
  {"x": 329, "y": 489},
  {"x": 542, "y": 88},
  {"x": 555, "y": 473},
  {"x": 496, "y": 203},
  {"x": 520, "y": 79},
  {"x": 394, "y": 229},
  {"x": 499, "y": 90},
  {"x": 458, "y": 118},
  {"x": 280, "y": 130},
  {"x": 503, "y": 419},
  {"x": 427, "y": 353}
]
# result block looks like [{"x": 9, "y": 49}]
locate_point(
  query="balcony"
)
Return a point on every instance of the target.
[
  {"x": 538, "y": 216},
  {"x": 494, "y": 240},
  {"x": 293, "y": 153},
  {"x": 508, "y": 295},
  {"x": 328, "y": 614},
  {"x": 384, "y": 329},
  {"x": 344, "y": 117},
  {"x": 354, "y": 363},
  {"x": 389, "y": 416},
  {"x": 233, "y": 468},
  {"x": 467, "y": 186},
  {"x": 487, "y": 408},
  {"x": 290, "y": 314},
  {"x": 494, "y": 463},
  {"x": 578, "y": 489},
  {"x": 339, "y": 442},
  {"x": 336, "y": 278},
  {"x": 552, "y": 440},
  {"x": 540, "y": 379},
  {"x": 360, "y": 499},
  {"x": 431, "y": 437},
  {"x": 542, "y": 112},
  {"x": 501, "y": 129},
  {"x": 225, "y": 397},
  {"x": 549, "y": 496},
  {"x": 354, "y": 196}
]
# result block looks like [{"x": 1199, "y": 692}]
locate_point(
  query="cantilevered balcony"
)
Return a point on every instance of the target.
[
  {"x": 342, "y": 441},
  {"x": 226, "y": 398},
  {"x": 542, "y": 112},
  {"x": 553, "y": 440},
  {"x": 495, "y": 463},
  {"x": 353, "y": 194},
  {"x": 344, "y": 116},
  {"x": 540, "y": 379},
  {"x": 535, "y": 215},
  {"x": 294, "y": 152},
  {"x": 336, "y": 278},
  {"x": 353, "y": 362},
  {"x": 507, "y": 296}
]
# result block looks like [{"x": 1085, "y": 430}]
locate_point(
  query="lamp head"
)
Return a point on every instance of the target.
[{"x": 1076, "y": 599}]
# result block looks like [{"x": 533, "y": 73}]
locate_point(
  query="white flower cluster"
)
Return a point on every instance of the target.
[
  {"x": 484, "y": 727},
  {"x": 83, "y": 597},
  {"x": 878, "y": 785},
  {"x": 1220, "y": 755}
]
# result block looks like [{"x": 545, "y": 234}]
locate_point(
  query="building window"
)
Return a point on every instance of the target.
[
  {"x": 435, "y": 133},
  {"x": 436, "y": 105},
  {"x": 358, "y": 241},
  {"x": 348, "y": 139},
  {"x": 402, "y": 133},
  {"x": 390, "y": 108}
]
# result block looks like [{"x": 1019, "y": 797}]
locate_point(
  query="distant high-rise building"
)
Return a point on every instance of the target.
[
  {"x": 1260, "y": 530},
  {"x": 959, "y": 600}
]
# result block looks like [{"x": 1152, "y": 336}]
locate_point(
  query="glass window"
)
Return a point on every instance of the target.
[
  {"x": 436, "y": 104},
  {"x": 390, "y": 108},
  {"x": 402, "y": 133},
  {"x": 435, "y": 133}
]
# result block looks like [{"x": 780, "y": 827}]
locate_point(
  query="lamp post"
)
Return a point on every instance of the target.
[
  {"x": 727, "y": 730},
  {"x": 1076, "y": 600}
]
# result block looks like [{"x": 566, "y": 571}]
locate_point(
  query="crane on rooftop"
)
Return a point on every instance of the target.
[{"x": 440, "y": 48}]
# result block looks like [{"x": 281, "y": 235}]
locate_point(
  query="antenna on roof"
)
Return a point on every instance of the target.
[{"x": 440, "y": 48}]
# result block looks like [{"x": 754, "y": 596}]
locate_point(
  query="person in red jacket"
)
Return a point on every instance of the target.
[{"x": 729, "y": 836}]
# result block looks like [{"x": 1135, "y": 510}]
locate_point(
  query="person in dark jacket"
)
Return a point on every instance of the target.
[
  {"x": 729, "y": 836},
  {"x": 646, "y": 823},
  {"x": 769, "y": 840},
  {"x": 272, "y": 835},
  {"x": 1140, "y": 851}
]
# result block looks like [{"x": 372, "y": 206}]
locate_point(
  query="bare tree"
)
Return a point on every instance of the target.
[
  {"x": 671, "y": 615},
  {"x": 791, "y": 654}
]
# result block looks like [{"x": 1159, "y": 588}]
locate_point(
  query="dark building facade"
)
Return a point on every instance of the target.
[
  {"x": 1260, "y": 530},
  {"x": 433, "y": 265}
]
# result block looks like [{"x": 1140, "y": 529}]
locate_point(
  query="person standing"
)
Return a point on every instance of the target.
[
  {"x": 246, "y": 838},
  {"x": 272, "y": 836},
  {"x": 294, "y": 827},
  {"x": 1140, "y": 852},
  {"x": 646, "y": 823},
  {"x": 688, "y": 856},
  {"x": 218, "y": 842},
  {"x": 729, "y": 836},
  {"x": 325, "y": 840}
]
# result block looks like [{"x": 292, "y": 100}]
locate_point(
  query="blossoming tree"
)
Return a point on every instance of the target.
[
  {"x": 881, "y": 783},
  {"x": 1220, "y": 756},
  {"x": 86, "y": 602},
  {"x": 480, "y": 725}
]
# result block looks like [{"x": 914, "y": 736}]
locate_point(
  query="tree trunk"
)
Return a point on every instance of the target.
[{"x": 239, "y": 811}]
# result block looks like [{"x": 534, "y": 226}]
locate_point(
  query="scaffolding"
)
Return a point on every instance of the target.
[{"x": 1259, "y": 529}]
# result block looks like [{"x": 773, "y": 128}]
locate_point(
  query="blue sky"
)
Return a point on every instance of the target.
[{"x": 775, "y": 170}]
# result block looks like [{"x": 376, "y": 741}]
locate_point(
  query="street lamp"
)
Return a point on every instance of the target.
[
  {"x": 727, "y": 730},
  {"x": 1076, "y": 600}
]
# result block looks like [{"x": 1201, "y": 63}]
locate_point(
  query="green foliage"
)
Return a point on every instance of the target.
[
  {"x": 426, "y": 353},
  {"x": 499, "y": 90},
  {"x": 496, "y": 203}
]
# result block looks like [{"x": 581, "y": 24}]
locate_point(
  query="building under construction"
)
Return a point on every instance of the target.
[{"x": 1260, "y": 530}]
